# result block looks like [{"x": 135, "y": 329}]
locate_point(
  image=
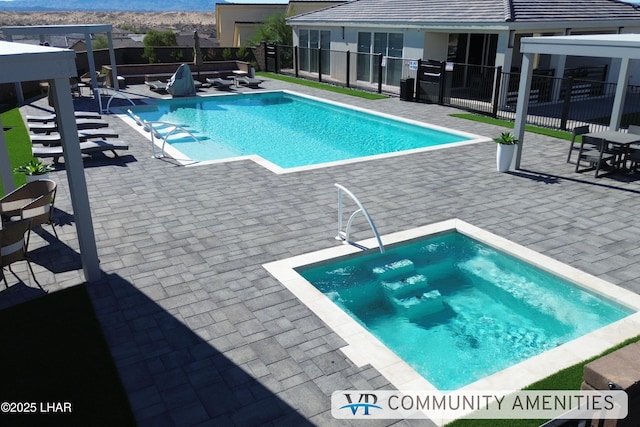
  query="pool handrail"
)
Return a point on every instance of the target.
[
  {"x": 344, "y": 235},
  {"x": 114, "y": 93},
  {"x": 154, "y": 127}
]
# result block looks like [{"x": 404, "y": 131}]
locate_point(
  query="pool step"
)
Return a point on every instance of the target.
[
  {"x": 407, "y": 286},
  {"x": 419, "y": 305},
  {"x": 394, "y": 269}
]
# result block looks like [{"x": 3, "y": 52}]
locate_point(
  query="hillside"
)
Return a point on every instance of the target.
[{"x": 128, "y": 21}]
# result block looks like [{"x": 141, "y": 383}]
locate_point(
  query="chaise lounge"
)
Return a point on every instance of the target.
[
  {"x": 87, "y": 147},
  {"x": 47, "y": 127},
  {"x": 157, "y": 86},
  {"x": 219, "y": 83},
  {"x": 249, "y": 82},
  {"x": 44, "y": 118}
]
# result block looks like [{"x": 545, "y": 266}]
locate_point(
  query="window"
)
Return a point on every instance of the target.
[
  {"x": 312, "y": 42},
  {"x": 390, "y": 46}
]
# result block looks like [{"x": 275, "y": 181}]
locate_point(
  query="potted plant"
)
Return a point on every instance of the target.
[
  {"x": 34, "y": 170},
  {"x": 506, "y": 146}
]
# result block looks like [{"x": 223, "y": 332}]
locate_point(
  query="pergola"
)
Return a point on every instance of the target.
[
  {"x": 88, "y": 30},
  {"x": 22, "y": 62},
  {"x": 624, "y": 47}
]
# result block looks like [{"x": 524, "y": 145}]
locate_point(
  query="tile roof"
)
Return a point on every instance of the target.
[{"x": 471, "y": 11}]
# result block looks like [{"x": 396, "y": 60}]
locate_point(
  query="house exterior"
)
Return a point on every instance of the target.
[
  {"x": 238, "y": 22},
  {"x": 477, "y": 32}
]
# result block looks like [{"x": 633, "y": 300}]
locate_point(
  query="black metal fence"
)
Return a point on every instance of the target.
[
  {"x": 581, "y": 97},
  {"x": 366, "y": 71}
]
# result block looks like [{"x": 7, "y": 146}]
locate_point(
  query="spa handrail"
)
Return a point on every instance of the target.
[{"x": 344, "y": 235}]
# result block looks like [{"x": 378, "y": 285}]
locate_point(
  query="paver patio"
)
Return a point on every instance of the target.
[{"x": 203, "y": 335}]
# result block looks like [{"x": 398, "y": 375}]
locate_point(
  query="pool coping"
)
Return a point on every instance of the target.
[
  {"x": 365, "y": 349},
  {"x": 121, "y": 112}
]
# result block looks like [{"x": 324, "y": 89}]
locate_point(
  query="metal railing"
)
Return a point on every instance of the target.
[
  {"x": 163, "y": 131},
  {"x": 582, "y": 97},
  {"x": 344, "y": 235}
]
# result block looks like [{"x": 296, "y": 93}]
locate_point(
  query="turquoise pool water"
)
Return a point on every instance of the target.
[
  {"x": 288, "y": 130},
  {"x": 457, "y": 310}
]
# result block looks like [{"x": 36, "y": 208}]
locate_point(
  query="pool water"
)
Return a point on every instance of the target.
[
  {"x": 457, "y": 310},
  {"x": 289, "y": 130}
]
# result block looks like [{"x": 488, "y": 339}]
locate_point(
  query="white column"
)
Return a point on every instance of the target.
[
  {"x": 6, "y": 172},
  {"x": 61, "y": 91},
  {"x": 92, "y": 70},
  {"x": 112, "y": 59},
  {"x": 523, "y": 103},
  {"x": 621, "y": 93}
]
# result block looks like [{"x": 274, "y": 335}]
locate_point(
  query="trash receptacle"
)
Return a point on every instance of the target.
[{"x": 406, "y": 89}]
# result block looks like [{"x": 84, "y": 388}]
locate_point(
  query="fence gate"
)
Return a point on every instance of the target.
[
  {"x": 430, "y": 81},
  {"x": 271, "y": 54}
]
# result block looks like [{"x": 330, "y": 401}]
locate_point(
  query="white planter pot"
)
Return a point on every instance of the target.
[
  {"x": 504, "y": 156},
  {"x": 31, "y": 178}
]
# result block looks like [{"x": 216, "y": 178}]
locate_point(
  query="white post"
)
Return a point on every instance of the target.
[
  {"x": 6, "y": 172},
  {"x": 523, "y": 104},
  {"x": 61, "y": 91},
  {"x": 621, "y": 93}
]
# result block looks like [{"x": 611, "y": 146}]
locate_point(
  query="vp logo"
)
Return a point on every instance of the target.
[{"x": 366, "y": 401}]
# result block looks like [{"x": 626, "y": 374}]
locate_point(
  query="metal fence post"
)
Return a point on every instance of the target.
[
  {"x": 277, "y": 58},
  {"x": 379, "y": 73},
  {"x": 443, "y": 82},
  {"x": 418, "y": 76},
  {"x": 566, "y": 106},
  {"x": 497, "y": 82},
  {"x": 296, "y": 57},
  {"x": 320, "y": 65},
  {"x": 348, "y": 63}
]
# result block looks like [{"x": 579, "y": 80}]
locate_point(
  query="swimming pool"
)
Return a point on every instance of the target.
[
  {"x": 530, "y": 333},
  {"x": 286, "y": 132}
]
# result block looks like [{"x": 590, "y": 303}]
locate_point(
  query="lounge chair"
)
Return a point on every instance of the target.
[
  {"x": 86, "y": 147},
  {"x": 218, "y": 83},
  {"x": 47, "y": 127},
  {"x": 249, "y": 82},
  {"x": 157, "y": 86},
  {"x": 44, "y": 118},
  {"x": 83, "y": 135}
]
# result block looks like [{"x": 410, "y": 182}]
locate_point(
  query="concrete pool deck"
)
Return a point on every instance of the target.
[{"x": 202, "y": 334}]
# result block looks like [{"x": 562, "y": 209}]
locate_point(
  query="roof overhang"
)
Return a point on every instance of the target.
[
  {"x": 24, "y": 62},
  {"x": 601, "y": 45}
]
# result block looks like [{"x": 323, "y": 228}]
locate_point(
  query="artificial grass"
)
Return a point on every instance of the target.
[
  {"x": 53, "y": 350},
  {"x": 323, "y": 86},
  {"x": 18, "y": 143},
  {"x": 560, "y": 134},
  {"x": 567, "y": 379}
]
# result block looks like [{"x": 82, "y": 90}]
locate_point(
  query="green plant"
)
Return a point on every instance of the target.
[
  {"x": 33, "y": 167},
  {"x": 507, "y": 138}
]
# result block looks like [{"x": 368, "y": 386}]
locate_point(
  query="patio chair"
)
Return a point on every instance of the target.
[
  {"x": 594, "y": 151},
  {"x": 580, "y": 130},
  {"x": 633, "y": 154},
  {"x": 14, "y": 241},
  {"x": 33, "y": 201}
]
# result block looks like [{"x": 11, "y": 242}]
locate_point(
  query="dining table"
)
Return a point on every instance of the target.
[{"x": 618, "y": 139}]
